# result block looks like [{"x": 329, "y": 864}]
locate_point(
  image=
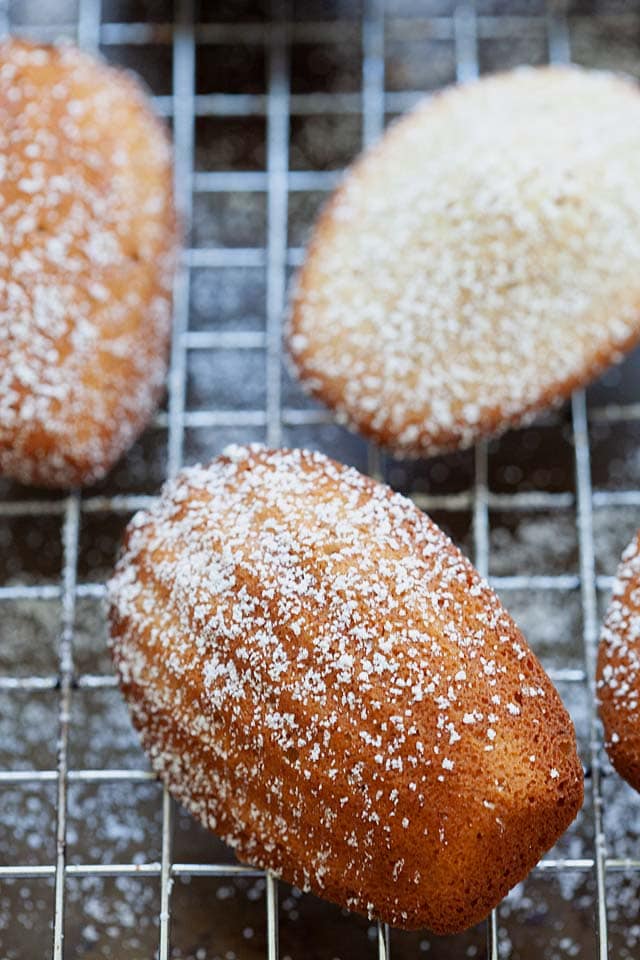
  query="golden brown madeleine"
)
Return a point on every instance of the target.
[
  {"x": 323, "y": 679},
  {"x": 88, "y": 242},
  {"x": 479, "y": 263},
  {"x": 618, "y": 673}
]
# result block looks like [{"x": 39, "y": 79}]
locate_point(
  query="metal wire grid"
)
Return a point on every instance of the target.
[{"x": 464, "y": 26}]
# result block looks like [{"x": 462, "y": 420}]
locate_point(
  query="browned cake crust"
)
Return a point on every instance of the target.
[
  {"x": 618, "y": 672},
  {"x": 323, "y": 679},
  {"x": 87, "y": 251},
  {"x": 479, "y": 263}
]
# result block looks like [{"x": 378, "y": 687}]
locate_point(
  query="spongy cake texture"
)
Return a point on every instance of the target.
[
  {"x": 323, "y": 679},
  {"x": 479, "y": 263},
  {"x": 619, "y": 668},
  {"x": 88, "y": 244}
]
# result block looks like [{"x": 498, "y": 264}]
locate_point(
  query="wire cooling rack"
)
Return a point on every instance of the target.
[{"x": 266, "y": 105}]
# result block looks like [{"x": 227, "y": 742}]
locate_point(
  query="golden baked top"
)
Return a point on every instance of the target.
[
  {"x": 87, "y": 248},
  {"x": 323, "y": 678},
  {"x": 619, "y": 668},
  {"x": 478, "y": 263}
]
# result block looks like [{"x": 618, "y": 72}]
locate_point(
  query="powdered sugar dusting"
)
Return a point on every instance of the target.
[
  {"x": 619, "y": 657},
  {"x": 300, "y": 648},
  {"x": 88, "y": 237},
  {"x": 479, "y": 263}
]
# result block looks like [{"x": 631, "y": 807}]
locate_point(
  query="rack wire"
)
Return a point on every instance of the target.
[{"x": 463, "y": 27}]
